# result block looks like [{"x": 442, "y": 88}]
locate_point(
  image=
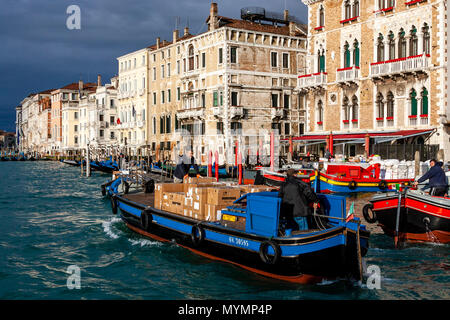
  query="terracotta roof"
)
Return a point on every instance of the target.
[
  {"x": 46, "y": 91},
  {"x": 168, "y": 43},
  {"x": 74, "y": 86}
]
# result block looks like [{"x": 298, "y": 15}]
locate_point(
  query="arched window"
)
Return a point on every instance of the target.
[
  {"x": 321, "y": 17},
  {"x": 356, "y": 8},
  {"x": 380, "y": 4},
  {"x": 356, "y": 53},
  {"x": 424, "y": 106},
  {"x": 354, "y": 108},
  {"x": 413, "y": 98},
  {"x": 320, "y": 111},
  {"x": 380, "y": 48},
  {"x": 321, "y": 60},
  {"x": 380, "y": 105},
  {"x": 346, "y": 55},
  {"x": 401, "y": 44},
  {"x": 346, "y": 109},
  {"x": 390, "y": 105},
  {"x": 191, "y": 57},
  {"x": 413, "y": 44},
  {"x": 348, "y": 9},
  {"x": 391, "y": 45},
  {"x": 426, "y": 39}
]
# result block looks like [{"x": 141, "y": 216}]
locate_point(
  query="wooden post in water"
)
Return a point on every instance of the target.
[
  {"x": 88, "y": 163},
  {"x": 217, "y": 166},
  {"x": 240, "y": 168},
  {"x": 209, "y": 164},
  {"x": 272, "y": 151}
]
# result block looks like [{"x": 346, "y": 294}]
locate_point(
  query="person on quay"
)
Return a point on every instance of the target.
[
  {"x": 183, "y": 166},
  {"x": 437, "y": 180},
  {"x": 296, "y": 196}
]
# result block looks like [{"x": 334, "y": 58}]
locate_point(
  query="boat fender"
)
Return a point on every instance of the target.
[
  {"x": 150, "y": 186},
  {"x": 113, "y": 205},
  {"x": 127, "y": 187},
  {"x": 383, "y": 185},
  {"x": 197, "y": 234},
  {"x": 146, "y": 219},
  {"x": 370, "y": 218},
  {"x": 103, "y": 190},
  {"x": 352, "y": 185},
  {"x": 265, "y": 256}
]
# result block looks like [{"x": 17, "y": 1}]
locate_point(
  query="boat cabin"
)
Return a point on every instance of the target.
[{"x": 354, "y": 171}]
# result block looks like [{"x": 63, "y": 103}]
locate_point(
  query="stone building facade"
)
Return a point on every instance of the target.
[{"x": 377, "y": 65}]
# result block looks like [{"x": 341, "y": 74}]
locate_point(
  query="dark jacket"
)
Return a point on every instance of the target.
[
  {"x": 296, "y": 197},
  {"x": 183, "y": 166},
  {"x": 436, "y": 177}
]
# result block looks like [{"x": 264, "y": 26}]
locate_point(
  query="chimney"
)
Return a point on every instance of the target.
[
  {"x": 158, "y": 42},
  {"x": 99, "y": 80},
  {"x": 175, "y": 36},
  {"x": 213, "y": 17},
  {"x": 292, "y": 29},
  {"x": 186, "y": 31},
  {"x": 164, "y": 43},
  {"x": 80, "y": 85},
  {"x": 286, "y": 15}
]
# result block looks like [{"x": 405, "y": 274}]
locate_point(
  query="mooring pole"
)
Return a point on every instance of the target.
[
  {"x": 88, "y": 164},
  {"x": 397, "y": 221},
  {"x": 217, "y": 165}
]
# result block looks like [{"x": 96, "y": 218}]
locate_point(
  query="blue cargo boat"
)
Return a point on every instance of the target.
[{"x": 253, "y": 237}]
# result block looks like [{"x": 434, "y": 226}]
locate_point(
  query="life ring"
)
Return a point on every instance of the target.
[
  {"x": 369, "y": 219},
  {"x": 197, "y": 235},
  {"x": 383, "y": 185},
  {"x": 265, "y": 256},
  {"x": 352, "y": 185},
  {"x": 146, "y": 219},
  {"x": 113, "y": 205}
]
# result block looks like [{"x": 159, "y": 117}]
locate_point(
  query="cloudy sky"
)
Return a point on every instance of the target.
[{"x": 38, "y": 52}]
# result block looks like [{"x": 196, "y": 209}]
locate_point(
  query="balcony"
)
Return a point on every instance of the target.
[
  {"x": 236, "y": 112},
  {"x": 277, "y": 113},
  {"x": 399, "y": 66},
  {"x": 217, "y": 112},
  {"x": 347, "y": 75},
  {"x": 197, "y": 113},
  {"x": 310, "y": 81}
]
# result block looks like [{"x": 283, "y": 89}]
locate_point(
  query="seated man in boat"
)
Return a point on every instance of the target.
[
  {"x": 296, "y": 196},
  {"x": 183, "y": 166},
  {"x": 436, "y": 179}
]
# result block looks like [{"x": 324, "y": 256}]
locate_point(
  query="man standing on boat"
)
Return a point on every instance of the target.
[
  {"x": 437, "y": 180},
  {"x": 183, "y": 166},
  {"x": 296, "y": 196}
]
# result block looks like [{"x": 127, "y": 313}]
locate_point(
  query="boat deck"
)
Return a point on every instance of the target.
[{"x": 147, "y": 199}]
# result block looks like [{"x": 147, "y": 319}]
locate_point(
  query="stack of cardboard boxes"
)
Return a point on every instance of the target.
[{"x": 200, "y": 198}]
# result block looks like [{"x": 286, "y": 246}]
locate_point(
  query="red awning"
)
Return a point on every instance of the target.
[{"x": 351, "y": 136}]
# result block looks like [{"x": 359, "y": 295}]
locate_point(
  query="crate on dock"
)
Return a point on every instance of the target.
[
  {"x": 174, "y": 204},
  {"x": 162, "y": 188},
  {"x": 213, "y": 212},
  {"x": 253, "y": 189},
  {"x": 191, "y": 180}
]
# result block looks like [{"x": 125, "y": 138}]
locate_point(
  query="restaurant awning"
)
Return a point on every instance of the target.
[{"x": 379, "y": 137}]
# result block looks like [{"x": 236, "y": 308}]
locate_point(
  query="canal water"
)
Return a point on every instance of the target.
[{"x": 53, "y": 218}]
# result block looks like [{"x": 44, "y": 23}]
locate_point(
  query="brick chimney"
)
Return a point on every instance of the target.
[
  {"x": 158, "y": 42},
  {"x": 80, "y": 85},
  {"x": 292, "y": 29},
  {"x": 99, "y": 80},
  {"x": 213, "y": 22},
  {"x": 286, "y": 15},
  {"x": 186, "y": 31},
  {"x": 175, "y": 36}
]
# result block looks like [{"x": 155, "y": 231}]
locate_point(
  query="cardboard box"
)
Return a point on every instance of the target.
[
  {"x": 222, "y": 195},
  {"x": 213, "y": 212},
  {"x": 191, "y": 180},
  {"x": 161, "y": 188},
  {"x": 253, "y": 189}
]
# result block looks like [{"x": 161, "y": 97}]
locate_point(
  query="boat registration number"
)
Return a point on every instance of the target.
[
  {"x": 227, "y": 217},
  {"x": 238, "y": 241}
]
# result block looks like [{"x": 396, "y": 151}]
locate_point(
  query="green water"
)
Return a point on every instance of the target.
[{"x": 53, "y": 218}]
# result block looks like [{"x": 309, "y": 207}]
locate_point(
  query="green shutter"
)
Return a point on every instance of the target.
[
  {"x": 413, "y": 103},
  {"x": 347, "y": 59},
  {"x": 356, "y": 52},
  {"x": 215, "y": 99},
  {"x": 424, "y": 101},
  {"x": 322, "y": 63}
]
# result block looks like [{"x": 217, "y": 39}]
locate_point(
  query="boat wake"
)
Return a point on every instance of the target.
[
  {"x": 107, "y": 227},
  {"x": 144, "y": 243}
]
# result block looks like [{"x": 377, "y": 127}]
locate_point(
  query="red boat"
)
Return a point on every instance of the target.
[
  {"x": 275, "y": 179},
  {"x": 419, "y": 217}
]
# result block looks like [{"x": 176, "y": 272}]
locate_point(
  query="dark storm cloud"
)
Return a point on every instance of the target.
[{"x": 38, "y": 52}]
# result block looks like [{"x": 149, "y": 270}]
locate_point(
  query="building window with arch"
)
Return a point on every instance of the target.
[
  {"x": 380, "y": 107},
  {"x": 321, "y": 60},
  {"x": 391, "y": 45},
  {"x": 191, "y": 57},
  {"x": 401, "y": 44},
  {"x": 356, "y": 8},
  {"x": 355, "y": 107},
  {"x": 321, "y": 16},
  {"x": 424, "y": 102},
  {"x": 413, "y": 42},
  {"x": 413, "y": 107},
  {"x": 390, "y": 109},
  {"x": 356, "y": 53},
  {"x": 380, "y": 48},
  {"x": 347, "y": 10},
  {"x": 345, "y": 112},
  {"x": 320, "y": 113},
  {"x": 426, "y": 38},
  {"x": 346, "y": 55}
]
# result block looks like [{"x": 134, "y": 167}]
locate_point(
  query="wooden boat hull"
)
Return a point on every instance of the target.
[
  {"x": 309, "y": 258},
  {"x": 422, "y": 218}
]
